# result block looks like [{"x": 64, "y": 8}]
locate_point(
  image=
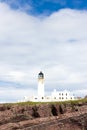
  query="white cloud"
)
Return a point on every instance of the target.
[
  {"x": 82, "y": 92},
  {"x": 15, "y": 75},
  {"x": 57, "y": 45},
  {"x": 11, "y": 94}
]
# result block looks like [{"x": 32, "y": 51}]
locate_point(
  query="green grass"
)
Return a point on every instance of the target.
[{"x": 73, "y": 102}]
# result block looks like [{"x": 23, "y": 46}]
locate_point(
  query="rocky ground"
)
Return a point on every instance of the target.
[{"x": 43, "y": 116}]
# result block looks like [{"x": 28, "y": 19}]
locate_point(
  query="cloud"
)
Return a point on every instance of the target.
[
  {"x": 11, "y": 94},
  {"x": 80, "y": 93},
  {"x": 19, "y": 5},
  {"x": 56, "y": 44}
]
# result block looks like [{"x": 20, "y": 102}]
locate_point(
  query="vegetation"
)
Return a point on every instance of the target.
[{"x": 73, "y": 102}]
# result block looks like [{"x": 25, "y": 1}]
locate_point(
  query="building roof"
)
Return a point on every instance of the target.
[{"x": 40, "y": 73}]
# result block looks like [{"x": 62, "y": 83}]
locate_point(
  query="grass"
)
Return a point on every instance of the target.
[{"x": 72, "y": 102}]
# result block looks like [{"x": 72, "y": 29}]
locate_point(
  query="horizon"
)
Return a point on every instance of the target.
[{"x": 48, "y": 36}]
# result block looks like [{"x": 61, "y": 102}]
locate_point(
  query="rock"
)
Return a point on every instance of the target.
[
  {"x": 43, "y": 117},
  {"x": 62, "y": 109}
]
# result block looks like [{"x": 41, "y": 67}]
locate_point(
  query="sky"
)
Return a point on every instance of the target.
[{"x": 48, "y": 36}]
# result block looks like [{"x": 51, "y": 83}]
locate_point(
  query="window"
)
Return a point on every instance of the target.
[
  {"x": 42, "y": 97},
  {"x": 59, "y": 97}
]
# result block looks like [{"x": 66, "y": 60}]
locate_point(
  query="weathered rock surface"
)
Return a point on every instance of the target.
[{"x": 43, "y": 117}]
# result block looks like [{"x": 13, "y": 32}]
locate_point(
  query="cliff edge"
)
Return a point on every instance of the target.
[{"x": 44, "y": 116}]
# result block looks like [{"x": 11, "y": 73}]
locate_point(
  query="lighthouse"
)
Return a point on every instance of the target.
[
  {"x": 54, "y": 97},
  {"x": 41, "y": 85}
]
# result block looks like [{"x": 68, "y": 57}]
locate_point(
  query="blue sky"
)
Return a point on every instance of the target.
[
  {"x": 47, "y": 35},
  {"x": 46, "y": 6}
]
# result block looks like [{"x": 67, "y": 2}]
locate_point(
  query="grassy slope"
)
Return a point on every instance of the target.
[{"x": 75, "y": 102}]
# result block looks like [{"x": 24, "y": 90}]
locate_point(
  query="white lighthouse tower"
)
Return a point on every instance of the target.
[{"x": 41, "y": 85}]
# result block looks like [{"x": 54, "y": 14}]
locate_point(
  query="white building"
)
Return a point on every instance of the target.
[
  {"x": 55, "y": 95},
  {"x": 62, "y": 95},
  {"x": 41, "y": 85}
]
